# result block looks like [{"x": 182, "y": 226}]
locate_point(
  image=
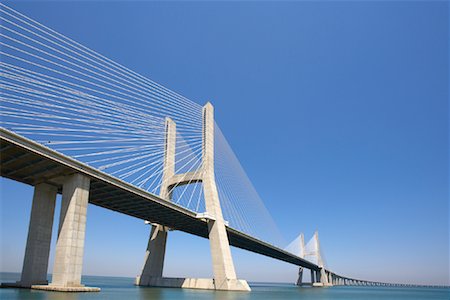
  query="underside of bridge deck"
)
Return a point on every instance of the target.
[{"x": 28, "y": 162}]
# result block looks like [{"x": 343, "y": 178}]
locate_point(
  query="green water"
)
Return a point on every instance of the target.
[{"x": 123, "y": 288}]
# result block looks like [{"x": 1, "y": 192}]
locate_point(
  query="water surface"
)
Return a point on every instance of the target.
[{"x": 123, "y": 288}]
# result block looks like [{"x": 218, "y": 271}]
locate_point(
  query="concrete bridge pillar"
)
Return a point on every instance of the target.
[
  {"x": 318, "y": 276},
  {"x": 72, "y": 224},
  {"x": 70, "y": 242},
  {"x": 300, "y": 276},
  {"x": 313, "y": 277},
  {"x": 37, "y": 251}
]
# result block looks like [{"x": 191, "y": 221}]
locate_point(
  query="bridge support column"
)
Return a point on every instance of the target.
[
  {"x": 154, "y": 256},
  {"x": 300, "y": 276},
  {"x": 324, "y": 277},
  {"x": 320, "y": 280},
  {"x": 313, "y": 280},
  {"x": 330, "y": 279},
  {"x": 35, "y": 264},
  {"x": 70, "y": 243}
]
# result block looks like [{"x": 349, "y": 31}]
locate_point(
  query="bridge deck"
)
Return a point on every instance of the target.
[{"x": 26, "y": 161}]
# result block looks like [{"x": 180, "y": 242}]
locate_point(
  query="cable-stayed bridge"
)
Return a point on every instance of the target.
[{"x": 77, "y": 123}]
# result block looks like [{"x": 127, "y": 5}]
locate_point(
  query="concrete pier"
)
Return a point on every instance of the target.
[
  {"x": 318, "y": 279},
  {"x": 154, "y": 256},
  {"x": 70, "y": 243},
  {"x": 35, "y": 264},
  {"x": 300, "y": 277}
]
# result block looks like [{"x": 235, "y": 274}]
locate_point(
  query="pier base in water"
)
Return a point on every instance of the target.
[
  {"x": 196, "y": 283},
  {"x": 50, "y": 287},
  {"x": 56, "y": 288}
]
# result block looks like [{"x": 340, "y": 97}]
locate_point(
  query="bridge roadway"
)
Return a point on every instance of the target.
[{"x": 26, "y": 161}]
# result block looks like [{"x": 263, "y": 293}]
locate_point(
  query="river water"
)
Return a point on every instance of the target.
[{"x": 123, "y": 288}]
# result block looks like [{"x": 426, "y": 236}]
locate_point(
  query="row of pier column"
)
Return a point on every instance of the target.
[{"x": 324, "y": 278}]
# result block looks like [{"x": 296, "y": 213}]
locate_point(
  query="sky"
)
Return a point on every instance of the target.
[{"x": 337, "y": 110}]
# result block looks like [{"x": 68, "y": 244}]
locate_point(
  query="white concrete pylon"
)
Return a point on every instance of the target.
[
  {"x": 156, "y": 248},
  {"x": 301, "y": 255},
  {"x": 223, "y": 267},
  {"x": 302, "y": 245},
  {"x": 323, "y": 276}
]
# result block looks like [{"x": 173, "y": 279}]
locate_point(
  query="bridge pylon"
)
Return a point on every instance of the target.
[
  {"x": 321, "y": 276},
  {"x": 222, "y": 261},
  {"x": 302, "y": 255}
]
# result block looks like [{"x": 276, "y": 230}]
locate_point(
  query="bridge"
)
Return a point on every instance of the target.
[{"x": 76, "y": 123}]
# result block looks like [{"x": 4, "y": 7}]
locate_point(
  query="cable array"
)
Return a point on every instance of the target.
[
  {"x": 240, "y": 201},
  {"x": 314, "y": 253},
  {"x": 78, "y": 102},
  {"x": 295, "y": 247}
]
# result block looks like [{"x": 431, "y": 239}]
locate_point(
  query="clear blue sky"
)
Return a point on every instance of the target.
[{"x": 338, "y": 112}]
